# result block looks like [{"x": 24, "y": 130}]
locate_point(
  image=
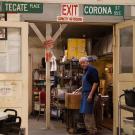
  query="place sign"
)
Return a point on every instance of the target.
[
  {"x": 104, "y": 10},
  {"x": 21, "y": 7}
]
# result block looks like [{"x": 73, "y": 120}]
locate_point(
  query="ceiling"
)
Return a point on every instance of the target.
[{"x": 94, "y": 32}]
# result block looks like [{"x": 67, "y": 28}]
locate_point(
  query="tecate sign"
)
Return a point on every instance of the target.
[
  {"x": 104, "y": 10},
  {"x": 69, "y": 13},
  {"x": 21, "y": 7}
]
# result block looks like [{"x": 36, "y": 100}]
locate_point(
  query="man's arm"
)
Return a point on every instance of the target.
[
  {"x": 93, "y": 76},
  {"x": 92, "y": 92}
]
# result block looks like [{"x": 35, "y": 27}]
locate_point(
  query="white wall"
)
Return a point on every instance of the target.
[{"x": 36, "y": 54}]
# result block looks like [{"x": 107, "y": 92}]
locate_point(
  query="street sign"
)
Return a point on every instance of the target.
[
  {"x": 103, "y": 10},
  {"x": 21, "y": 7},
  {"x": 69, "y": 13}
]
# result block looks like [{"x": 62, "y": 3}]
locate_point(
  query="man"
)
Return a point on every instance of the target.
[{"x": 90, "y": 82}]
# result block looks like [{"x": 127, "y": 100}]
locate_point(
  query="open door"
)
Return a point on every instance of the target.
[
  {"x": 124, "y": 64},
  {"x": 14, "y": 68}
]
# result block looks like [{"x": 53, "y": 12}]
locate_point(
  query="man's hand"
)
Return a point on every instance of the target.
[
  {"x": 90, "y": 97},
  {"x": 77, "y": 91}
]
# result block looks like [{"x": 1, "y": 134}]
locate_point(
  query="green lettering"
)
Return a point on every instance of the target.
[
  {"x": 95, "y": 10},
  {"x": 104, "y": 10},
  {"x": 99, "y": 10},
  {"x": 86, "y": 10},
  {"x": 109, "y": 11},
  {"x": 25, "y": 7},
  {"x": 90, "y": 10},
  {"x": 14, "y": 7}
]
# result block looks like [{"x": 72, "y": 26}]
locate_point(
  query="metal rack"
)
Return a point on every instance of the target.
[
  {"x": 70, "y": 74},
  {"x": 124, "y": 107}
]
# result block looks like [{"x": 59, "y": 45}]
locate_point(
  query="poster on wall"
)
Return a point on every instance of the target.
[{"x": 3, "y": 31}]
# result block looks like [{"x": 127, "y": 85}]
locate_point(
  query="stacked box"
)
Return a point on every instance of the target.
[
  {"x": 76, "y": 48},
  {"x": 81, "y": 48}
]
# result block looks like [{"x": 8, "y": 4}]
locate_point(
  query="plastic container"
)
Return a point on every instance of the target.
[{"x": 129, "y": 123}]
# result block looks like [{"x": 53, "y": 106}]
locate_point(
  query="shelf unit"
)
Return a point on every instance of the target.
[
  {"x": 70, "y": 74},
  {"x": 39, "y": 83}
]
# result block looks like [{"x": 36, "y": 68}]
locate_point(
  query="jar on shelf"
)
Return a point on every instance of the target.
[{"x": 36, "y": 75}]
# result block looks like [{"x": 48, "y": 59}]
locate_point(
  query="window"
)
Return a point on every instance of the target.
[
  {"x": 10, "y": 51},
  {"x": 126, "y": 50}
]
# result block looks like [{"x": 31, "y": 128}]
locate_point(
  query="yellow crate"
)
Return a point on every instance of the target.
[
  {"x": 76, "y": 48},
  {"x": 71, "y": 48}
]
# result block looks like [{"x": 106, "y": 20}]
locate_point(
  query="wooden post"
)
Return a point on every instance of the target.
[{"x": 48, "y": 84}]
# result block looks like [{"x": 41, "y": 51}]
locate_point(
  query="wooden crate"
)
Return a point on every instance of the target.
[{"x": 72, "y": 101}]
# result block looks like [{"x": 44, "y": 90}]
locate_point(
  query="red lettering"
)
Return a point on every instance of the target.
[
  {"x": 75, "y": 9},
  {"x": 69, "y": 10},
  {"x": 64, "y": 10}
]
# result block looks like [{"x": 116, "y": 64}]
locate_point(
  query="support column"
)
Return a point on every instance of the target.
[{"x": 48, "y": 84}]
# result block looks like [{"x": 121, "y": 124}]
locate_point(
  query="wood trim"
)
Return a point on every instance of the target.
[
  {"x": 121, "y": 2},
  {"x": 37, "y": 31}
]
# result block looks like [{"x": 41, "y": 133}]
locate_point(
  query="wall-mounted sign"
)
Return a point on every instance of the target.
[
  {"x": 21, "y": 7},
  {"x": 6, "y": 91},
  {"x": 104, "y": 10},
  {"x": 70, "y": 13}
]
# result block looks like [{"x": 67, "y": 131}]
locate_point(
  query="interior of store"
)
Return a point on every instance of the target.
[{"x": 77, "y": 40}]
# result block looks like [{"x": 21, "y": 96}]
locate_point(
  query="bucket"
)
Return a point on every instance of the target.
[
  {"x": 130, "y": 97},
  {"x": 128, "y": 124}
]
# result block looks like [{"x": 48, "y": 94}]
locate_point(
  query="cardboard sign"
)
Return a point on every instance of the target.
[{"x": 69, "y": 13}]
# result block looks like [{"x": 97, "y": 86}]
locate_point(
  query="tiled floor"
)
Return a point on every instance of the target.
[{"x": 57, "y": 128}]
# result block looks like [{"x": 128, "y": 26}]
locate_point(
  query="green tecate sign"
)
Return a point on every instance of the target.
[
  {"x": 21, "y": 7},
  {"x": 104, "y": 10}
]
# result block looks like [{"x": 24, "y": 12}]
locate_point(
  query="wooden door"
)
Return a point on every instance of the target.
[
  {"x": 14, "y": 68},
  {"x": 124, "y": 64}
]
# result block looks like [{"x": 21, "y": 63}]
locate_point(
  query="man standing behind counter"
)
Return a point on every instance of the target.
[{"x": 89, "y": 89}]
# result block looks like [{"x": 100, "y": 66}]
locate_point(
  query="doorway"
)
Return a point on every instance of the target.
[{"x": 96, "y": 36}]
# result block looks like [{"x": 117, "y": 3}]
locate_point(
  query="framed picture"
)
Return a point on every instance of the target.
[{"x": 3, "y": 31}]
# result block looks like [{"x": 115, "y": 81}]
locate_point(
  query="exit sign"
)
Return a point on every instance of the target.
[
  {"x": 104, "y": 10},
  {"x": 69, "y": 10},
  {"x": 21, "y": 7},
  {"x": 70, "y": 13}
]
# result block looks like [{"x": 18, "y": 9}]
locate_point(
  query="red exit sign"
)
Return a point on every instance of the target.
[{"x": 69, "y": 10}]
